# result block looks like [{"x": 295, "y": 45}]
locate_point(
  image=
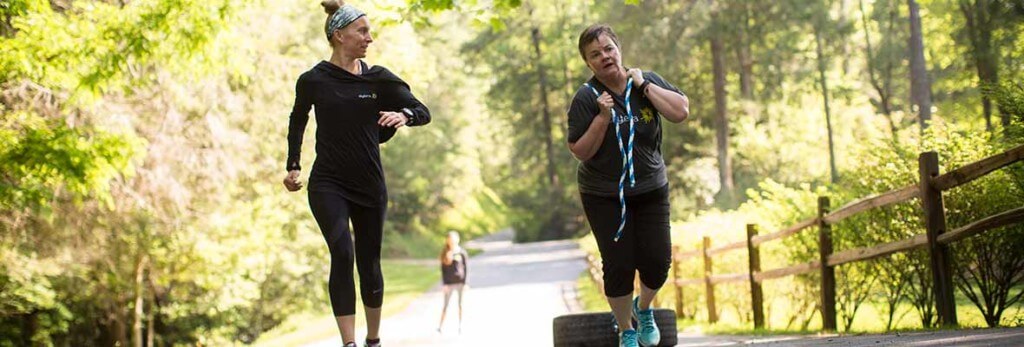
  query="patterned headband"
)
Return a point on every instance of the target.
[{"x": 342, "y": 18}]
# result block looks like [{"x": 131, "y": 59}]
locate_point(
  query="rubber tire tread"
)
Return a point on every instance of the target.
[{"x": 597, "y": 329}]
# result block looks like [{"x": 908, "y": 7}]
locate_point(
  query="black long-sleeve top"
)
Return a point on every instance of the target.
[{"x": 348, "y": 138}]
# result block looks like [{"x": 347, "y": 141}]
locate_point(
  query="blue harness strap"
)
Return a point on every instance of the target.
[{"x": 625, "y": 151}]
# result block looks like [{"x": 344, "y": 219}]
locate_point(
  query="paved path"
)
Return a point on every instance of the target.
[
  {"x": 515, "y": 292},
  {"x": 978, "y": 337}
]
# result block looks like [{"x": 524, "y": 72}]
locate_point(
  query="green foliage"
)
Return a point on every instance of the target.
[
  {"x": 534, "y": 183},
  {"x": 149, "y": 158},
  {"x": 1010, "y": 98},
  {"x": 482, "y": 13},
  {"x": 94, "y": 46},
  {"x": 992, "y": 264},
  {"x": 39, "y": 158},
  {"x": 893, "y": 280}
]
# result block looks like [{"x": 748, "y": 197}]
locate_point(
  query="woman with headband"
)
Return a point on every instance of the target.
[
  {"x": 614, "y": 129},
  {"x": 358, "y": 106}
]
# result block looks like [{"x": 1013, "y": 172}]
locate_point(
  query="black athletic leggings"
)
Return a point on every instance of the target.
[
  {"x": 332, "y": 213},
  {"x": 646, "y": 243}
]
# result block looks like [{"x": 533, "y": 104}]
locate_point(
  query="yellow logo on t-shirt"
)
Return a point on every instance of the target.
[{"x": 647, "y": 115}]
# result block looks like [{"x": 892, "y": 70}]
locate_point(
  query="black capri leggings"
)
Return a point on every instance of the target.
[
  {"x": 332, "y": 213},
  {"x": 646, "y": 243}
]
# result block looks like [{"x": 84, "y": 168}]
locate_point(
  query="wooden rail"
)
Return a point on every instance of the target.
[
  {"x": 689, "y": 282},
  {"x": 865, "y": 253},
  {"x": 758, "y": 240},
  {"x": 729, "y": 247},
  {"x": 685, "y": 255},
  {"x": 798, "y": 269},
  {"x": 728, "y": 278},
  {"x": 978, "y": 169},
  {"x": 928, "y": 190},
  {"x": 880, "y": 200},
  {"x": 983, "y": 225}
]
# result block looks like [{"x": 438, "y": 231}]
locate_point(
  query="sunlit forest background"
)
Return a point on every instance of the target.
[{"x": 142, "y": 142}]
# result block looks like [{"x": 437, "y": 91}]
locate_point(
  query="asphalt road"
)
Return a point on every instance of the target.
[{"x": 515, "y": 290}]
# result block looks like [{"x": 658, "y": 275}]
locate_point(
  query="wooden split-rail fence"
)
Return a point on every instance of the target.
[{"x": 935, "y": 239}]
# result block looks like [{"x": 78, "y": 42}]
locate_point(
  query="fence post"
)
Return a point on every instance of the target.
[
  {"x": 828, "y": 273},
  {"x": 675, "y": 280},
  {"x": 754, "y": 260},
  {"x": 935, "y": 225},
  {"x": 708, "y": 286}
]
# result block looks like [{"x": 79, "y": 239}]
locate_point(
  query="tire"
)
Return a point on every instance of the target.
[{"x": 598, "y": 329}]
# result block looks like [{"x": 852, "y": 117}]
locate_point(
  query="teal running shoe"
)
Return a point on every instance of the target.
[
  {"x": 647, "y": 329},
  {"x": 628, "y": 339}
]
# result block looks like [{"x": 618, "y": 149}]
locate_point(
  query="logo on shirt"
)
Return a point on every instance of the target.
[
  {"x": 368, "y": 96},
  {"x": 623, "y": 119},
  {"x": 647, "y": 115}
]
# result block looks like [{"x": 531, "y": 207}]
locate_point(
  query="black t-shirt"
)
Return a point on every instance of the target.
[
  {"x": 599, "y": 175},
  {"x": 348, "y": 137}
]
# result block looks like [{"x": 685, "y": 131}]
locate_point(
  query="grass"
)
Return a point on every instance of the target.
[
  {"x": 589, "y": 296},
  {"x": 412, "y": 245},
  {"x": 870, "y": 318},
  {"x": 417, "y": 246},
  {"x": 404, "y": 282}
]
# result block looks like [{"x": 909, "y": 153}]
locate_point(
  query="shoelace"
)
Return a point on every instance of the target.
[
  {"x": 648, "y": 322},
  {"x": 625, "y": 151},
  {"x": 629, "y": 335}
]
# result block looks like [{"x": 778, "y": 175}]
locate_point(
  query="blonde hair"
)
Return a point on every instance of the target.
[{"x": 446, "y": 253}]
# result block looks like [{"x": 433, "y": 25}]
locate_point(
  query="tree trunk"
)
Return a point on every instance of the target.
[
  {"x": 116, "y": 326},
  {"x": 828, "y": 110},
  {"x": 150, "y": 325},
  {"x": 138, "y": 314},
  {"x": 721, "y": 121},
  {"x": 844, "y": 45},
  {"x": 545, "y": 112},
  {"x": 158, "y": 295},
  {"x": 555, "y": 226},
  {"x": 743, "y": 55},
  {"x": 29, "y": 326},
  {"x": 979, "y": 29},
  {"x": 890, "y": 62},
  {"x": 6, "y": 29},
  {"x": 883, "y": 92},
  {"x": 920, "y": 85}
]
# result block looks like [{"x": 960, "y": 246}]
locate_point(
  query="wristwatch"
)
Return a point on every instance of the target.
[
  {"x": 409, "y": 115},
  {"x": 643, "y": 86}
]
